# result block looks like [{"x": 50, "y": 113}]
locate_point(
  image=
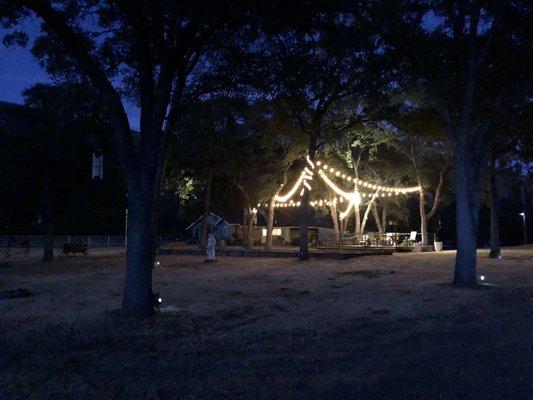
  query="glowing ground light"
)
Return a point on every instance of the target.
[
  {"x": 159, "y": 300},
  {"x": 482, "y": 277}
]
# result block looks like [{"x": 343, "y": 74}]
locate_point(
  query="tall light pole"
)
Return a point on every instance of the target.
[{"x": 523, "y": 215}]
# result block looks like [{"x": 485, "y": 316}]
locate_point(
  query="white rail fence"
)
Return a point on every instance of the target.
[{"x": 92, "y": 241}]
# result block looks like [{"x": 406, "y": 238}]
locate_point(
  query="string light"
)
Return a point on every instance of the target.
[
  {"x": 404, "y": 190},
  {"x": 309, "y": 161},
  {"x": 353, "y": 198},
  {"x": 289, "y": 194},
  {"x": 344, "y": 213}
]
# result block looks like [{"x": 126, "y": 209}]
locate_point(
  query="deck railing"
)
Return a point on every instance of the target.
[{"x": 375, "y": 239}]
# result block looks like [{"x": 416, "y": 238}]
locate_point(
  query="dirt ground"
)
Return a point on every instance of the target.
[{"x": 258, "y": 328}]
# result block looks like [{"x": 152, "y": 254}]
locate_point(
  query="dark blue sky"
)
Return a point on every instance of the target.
[{"x": 20, "y": 70}]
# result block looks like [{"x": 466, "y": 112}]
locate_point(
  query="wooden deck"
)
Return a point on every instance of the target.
[{"x": 335, "y": 254}]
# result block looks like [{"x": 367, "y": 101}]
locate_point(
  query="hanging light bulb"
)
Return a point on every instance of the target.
[{"x": 355, "y": 198}]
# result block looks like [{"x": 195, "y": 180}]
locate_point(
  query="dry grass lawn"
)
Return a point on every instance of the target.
[{"x": 257, "y": 328}]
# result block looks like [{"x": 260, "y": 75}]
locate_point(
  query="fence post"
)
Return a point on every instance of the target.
[
  {"x": 89, "y": 242},
  {"x": 68, "y": 239},
  {"x": 107, "y": 242}
]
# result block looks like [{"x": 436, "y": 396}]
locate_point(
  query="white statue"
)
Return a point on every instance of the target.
[{"x": 210, "y": 248}]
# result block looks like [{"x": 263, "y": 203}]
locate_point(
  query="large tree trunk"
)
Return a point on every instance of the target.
[
  {"x": 271, "y": 211},
  {"x": 270, "y": 223},
  {"x": 494, "y": 223},
  {"x": 139, "y": 163},
  {"x": 377, "y": 218},
  {"x": 426, "y": 216},
  {"x": 357, "y": 213},
  {"x": 467, "y": 182},
  {"x": 303, "y": 254},
  {"x": 367, "y": 212},
  {"x": 335, "y": 218},
  {"x": 138, "y": 299},
  {"x": 423, "y": 217},
  {"x": 244, "y": 226},
  {"x": 49, "y": 218},
  {"x": 205, "y": 219},
  {"x": 342, "y": 227},
  {"x": 465, "y": 260},
  {"x": 250, "y": 228},
  {"x": 384, "y": 218}
]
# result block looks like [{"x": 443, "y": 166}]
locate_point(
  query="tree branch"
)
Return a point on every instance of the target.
[
  {"x": 436, "y": 199},
  {"x": 139, "y": 25},
  {"x": 75, "y": 45}
]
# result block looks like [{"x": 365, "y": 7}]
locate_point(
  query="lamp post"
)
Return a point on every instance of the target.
[{"x": 523, "y": 215}]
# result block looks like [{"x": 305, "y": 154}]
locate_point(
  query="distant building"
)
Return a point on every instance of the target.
[
  {"x": 233, "y": 233},
  {"x": 222, "y": 229}
]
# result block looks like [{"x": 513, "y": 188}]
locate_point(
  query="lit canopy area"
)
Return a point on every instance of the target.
[{"x": 327, "y": 174}]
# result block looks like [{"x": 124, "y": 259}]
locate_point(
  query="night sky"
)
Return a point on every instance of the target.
[{"x": 20, "y": 70}]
